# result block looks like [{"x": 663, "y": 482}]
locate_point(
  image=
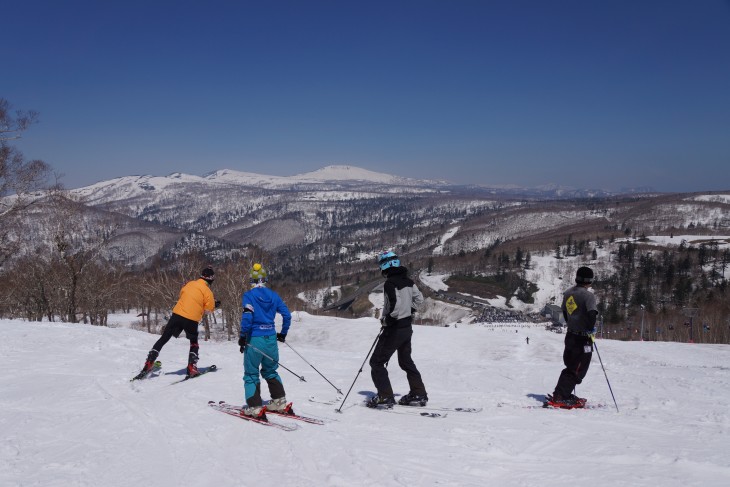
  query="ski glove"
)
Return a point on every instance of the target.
[
  {"x": 217, "y": 303},
  {"x": 281, "y": 337},
  {"x": 242, "y": 343}
]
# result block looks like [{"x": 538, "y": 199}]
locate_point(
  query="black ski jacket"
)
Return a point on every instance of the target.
[{"x": 402, "y": 298}]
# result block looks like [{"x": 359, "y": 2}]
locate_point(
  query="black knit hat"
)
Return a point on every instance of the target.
[
  {"x": 584, "y": 275},
  {"x": 208, "y": 274}
]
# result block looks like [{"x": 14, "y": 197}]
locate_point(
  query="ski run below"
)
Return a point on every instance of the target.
[{"x": 70, "y": 416}]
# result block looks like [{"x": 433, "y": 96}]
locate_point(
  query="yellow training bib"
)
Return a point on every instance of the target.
[{"x": 570, "y": 305}]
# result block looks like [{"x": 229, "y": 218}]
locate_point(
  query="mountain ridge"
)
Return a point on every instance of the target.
[{"x": 346, "y": 175}]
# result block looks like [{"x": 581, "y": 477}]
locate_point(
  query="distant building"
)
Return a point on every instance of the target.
[{"x": 555, "y": 314}]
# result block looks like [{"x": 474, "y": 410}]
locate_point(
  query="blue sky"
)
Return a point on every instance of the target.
[{"x": 590, "y": 94}]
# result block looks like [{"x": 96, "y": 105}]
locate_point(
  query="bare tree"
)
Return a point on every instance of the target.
[
  {"x": 78, "y": 242},
  {"x": 229, "y": 287},
  {"x": 98, "y": 291},
  {"x": 19, "y": 178}
]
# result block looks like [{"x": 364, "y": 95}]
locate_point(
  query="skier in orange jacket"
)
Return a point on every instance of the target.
[{"x": 195, "y": 299}]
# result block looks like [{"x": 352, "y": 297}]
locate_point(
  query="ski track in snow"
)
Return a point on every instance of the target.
[{"x": 70, "y": 416}]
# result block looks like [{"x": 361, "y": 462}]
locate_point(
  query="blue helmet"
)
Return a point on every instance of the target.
[{"x": 388, "y": 259}]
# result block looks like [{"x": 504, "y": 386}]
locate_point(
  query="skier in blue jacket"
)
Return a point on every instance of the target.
[{"x": 258, "y": 342}]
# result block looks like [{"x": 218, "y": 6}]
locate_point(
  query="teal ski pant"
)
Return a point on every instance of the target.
[{"x": 253, "y": 360}]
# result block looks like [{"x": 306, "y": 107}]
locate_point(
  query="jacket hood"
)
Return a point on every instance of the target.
[
  {"x": 395, "y": 271},
  {"x": 263, "y": 298}
]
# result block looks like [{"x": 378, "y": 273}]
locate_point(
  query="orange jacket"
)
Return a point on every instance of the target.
[{"x": 195, "y": 298}]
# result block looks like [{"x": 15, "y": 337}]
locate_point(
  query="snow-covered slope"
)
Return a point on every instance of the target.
[
  {"x": 70, "y": 416},
  {"x": 129, "y": 187}
]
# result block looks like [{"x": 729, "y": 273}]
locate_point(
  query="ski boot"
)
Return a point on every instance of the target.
[
  {"x": 578, "y": 400},
  {"x": 413, "y": 399},
  {"x": 257, "y": 412},
  {"x": 381, "y": 401},
  {"x": 556, "y": 401},
  {"x": 192, "y": 371},
  {"x": 192, "y": 367},
  {"x": 149, "y": 364},
  {"x": 280, "y": 406}
]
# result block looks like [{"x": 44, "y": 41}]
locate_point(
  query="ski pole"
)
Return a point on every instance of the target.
[
  {"x": 604, "y": 372},
  {"x": 315, "y": 369},
  {"x": 339, "y": 410},
  {"x": 301, "y": 378}
]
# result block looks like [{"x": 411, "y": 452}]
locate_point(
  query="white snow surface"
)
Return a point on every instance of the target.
[
  {"x": 434, "y": 281},
  {"x": 70, "y": 417}
]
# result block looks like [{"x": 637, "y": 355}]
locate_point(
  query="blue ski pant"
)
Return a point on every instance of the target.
[{"x": 254, "y": 361}]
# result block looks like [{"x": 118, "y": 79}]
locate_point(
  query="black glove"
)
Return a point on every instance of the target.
[
  {"x": 390, "y": 321},
  {"x": 281, "y": 337},
  {"x": 217, "y": 304},
  {"x": 242, "y": 343}
]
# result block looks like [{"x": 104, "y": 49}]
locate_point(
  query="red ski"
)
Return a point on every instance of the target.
[
  {"x": 237, "y": 411},
  {"x": 288, "y": 412}
]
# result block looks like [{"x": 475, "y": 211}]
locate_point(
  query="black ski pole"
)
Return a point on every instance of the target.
[
  {"x": 339, "y": 410},
  {"x": 315, "y": 369},
  {"x": 301, "y": 378},
  {"x": 604, "y": 372}
]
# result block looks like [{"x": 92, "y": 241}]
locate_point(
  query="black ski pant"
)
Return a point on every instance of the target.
[
  {"x": 577, "y": 359},
  {"x": 392, "y": 340},
  {"x": 176, "y": 325}
]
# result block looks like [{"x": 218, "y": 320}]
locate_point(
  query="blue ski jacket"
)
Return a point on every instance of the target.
[{"x": 260, "y": 306}]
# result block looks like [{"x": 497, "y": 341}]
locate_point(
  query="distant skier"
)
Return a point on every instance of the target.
[
  {"x": 527, "y": 340},
  {"x": 580, "y": 312},
  {"x": 195, "y": 299},
  {"x": 258, "y": 343},
  {"x": 401, "y": 299}
]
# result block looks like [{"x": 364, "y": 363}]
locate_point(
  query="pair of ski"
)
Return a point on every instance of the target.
[
  {"x": 581, "y": 403},
  {"x": 237, "y": 411},
  {"x": 153, "y": 372},
  {"x": 423, "y": 411},
  {"x": 548, "y": 403}
]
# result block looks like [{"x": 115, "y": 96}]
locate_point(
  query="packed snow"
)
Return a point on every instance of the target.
[
  {"x": 70, "y": 416},
  {"x": 434, "y": 281}
]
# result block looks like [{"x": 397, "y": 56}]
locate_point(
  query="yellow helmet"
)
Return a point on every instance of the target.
[{"x": 258, "y": 274}]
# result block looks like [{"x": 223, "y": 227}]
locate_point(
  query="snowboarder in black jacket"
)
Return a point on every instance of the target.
[{"x": 401, "y": 299}]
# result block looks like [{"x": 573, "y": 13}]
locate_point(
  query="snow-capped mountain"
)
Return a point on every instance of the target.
[
  {"x": 330, "y": 177},
  {"x": 344, "y": 212}
]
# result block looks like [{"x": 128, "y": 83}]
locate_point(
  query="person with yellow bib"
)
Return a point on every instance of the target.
[
  {"x": 195, "y": 299},
  {"x": 580, "y": 313}
]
